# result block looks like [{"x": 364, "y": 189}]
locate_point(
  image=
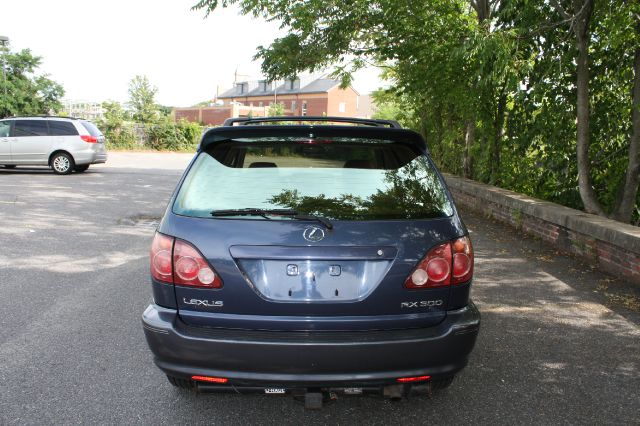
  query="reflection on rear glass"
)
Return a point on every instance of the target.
[{"x": 350, "y": 179}]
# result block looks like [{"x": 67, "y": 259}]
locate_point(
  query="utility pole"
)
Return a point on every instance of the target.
[{"x": 275, "y": 92}]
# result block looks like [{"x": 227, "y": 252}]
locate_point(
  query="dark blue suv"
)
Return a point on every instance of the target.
[{"x": 319, "y": 256}]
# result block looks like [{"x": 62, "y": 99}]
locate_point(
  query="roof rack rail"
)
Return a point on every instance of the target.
[
  {"x": 243, "y": 121},
  {"x": 43, "y": 116}
]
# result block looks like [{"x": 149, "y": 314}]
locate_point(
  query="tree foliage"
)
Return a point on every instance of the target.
[
  {"x": 118, "y": 133},
  {"x": 22, "y": 90},
  {"x": 166, "y": 135},
  {"x": 142, "y": 99},
  {"x": 162, "y": 134},
  {"x": 276, "y": 109},
  {"x": 537, "y": 96}
]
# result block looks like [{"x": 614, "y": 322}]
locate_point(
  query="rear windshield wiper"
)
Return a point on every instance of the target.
[
  {"x": 271, "y": 212},
  {"x": 253, "y": 212}
]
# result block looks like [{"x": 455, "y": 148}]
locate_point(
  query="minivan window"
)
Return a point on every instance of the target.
[
  {"x": 62, "y": 128},
  {"x": 91, "y": 128},
  {"x": 30, "y": 128},
  {"x": 337, "y": 178},
  {"x": 5, "y": 127}
]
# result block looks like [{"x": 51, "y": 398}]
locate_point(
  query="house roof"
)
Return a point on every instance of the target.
[{"x": 320, "y": 85}]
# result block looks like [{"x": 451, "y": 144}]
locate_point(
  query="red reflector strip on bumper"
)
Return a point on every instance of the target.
[
  {"x": 413, "y": 379},
  {"x": 210, "y": 379}
]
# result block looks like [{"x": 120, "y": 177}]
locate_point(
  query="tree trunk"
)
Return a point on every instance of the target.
[
  {"x": 498, "y": 126},
  {"x": 469, "y": 139},
  {"x": 482, "y": 8},
  {"x": 626, "y": 200},
  {"x": 582, "y": 18}
]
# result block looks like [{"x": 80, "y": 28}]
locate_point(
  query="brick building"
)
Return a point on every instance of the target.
[
  {"x": 322, "y": 96},
  {"x": 318, "y": 97}
]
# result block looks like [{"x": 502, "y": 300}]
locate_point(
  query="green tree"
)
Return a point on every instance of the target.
[
  {"x": 580, "y": 17},
  {"x": 164, "y": 110},
  {"x": 114, "y": 115},
  {"x": 118, "y": 133},
  {"x": 22, "y": 90},
  {"x": 142, "y": 99},
  {"x": 276, "y": 109},
  {"x": 540, "y": 97}
]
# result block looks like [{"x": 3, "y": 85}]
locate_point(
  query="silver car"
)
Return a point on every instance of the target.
[{"x": 64, "y": 144}]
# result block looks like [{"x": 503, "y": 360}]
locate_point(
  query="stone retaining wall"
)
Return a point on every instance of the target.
[{"x": 613, "y": 246}]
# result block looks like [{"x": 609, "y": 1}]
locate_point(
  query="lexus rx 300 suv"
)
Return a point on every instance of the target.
[
  {"x": 64, "y": 144},
  {"x": 311, "y": 257}
]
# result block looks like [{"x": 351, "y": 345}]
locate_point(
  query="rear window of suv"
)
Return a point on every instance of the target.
[{"x": 337, "y": 178}]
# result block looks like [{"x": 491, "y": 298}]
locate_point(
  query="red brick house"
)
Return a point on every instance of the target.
[{"x": 319, "y": 97}]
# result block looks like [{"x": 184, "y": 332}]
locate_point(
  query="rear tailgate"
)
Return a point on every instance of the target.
[
  {"x": 387, "y": 205},
  {"x": 258, "y": 292}
]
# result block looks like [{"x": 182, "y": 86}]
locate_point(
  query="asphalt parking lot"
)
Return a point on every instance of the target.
[{"x": 73, "y": 278}]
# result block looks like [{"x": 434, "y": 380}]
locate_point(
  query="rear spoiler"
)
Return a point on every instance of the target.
[
  {"x": 309, "y": 131},
  {"x": 244, "y": 121}
]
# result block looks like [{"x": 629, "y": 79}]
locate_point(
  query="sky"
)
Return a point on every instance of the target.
[{"x": 94, "y": 48}]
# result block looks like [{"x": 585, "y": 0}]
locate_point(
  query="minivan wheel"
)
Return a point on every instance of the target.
[
  {"x": 62, "y": 163},
  {"x": 82, "y": 168},
  {"x": 9, "y": 166},
  {"x": 181, "y": 383}
]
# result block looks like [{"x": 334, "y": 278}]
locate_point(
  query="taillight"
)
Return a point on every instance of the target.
[
  {"x": 433, "y": 270},
  {"x": 178, "y": 262},
  {"x": 89, "y": 139},
  {"x": 445, "y": 264},
  {"x": 191, "y": 269},
  {"x": 413, "y": 379},
  {"x": 160, "y": 256},
  {"x": 462, "y": 260}
]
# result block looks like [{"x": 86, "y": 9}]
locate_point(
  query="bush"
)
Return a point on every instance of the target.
[
  {"x": 122, "y": 137},
  {"x": 169, "y": 136}
]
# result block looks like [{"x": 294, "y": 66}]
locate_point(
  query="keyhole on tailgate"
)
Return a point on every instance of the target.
[{"x": 336, "y": 292}]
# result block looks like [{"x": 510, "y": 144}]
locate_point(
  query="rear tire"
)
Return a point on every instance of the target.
[
  {"x": 10, "y": 166},
  {"x": 62, "y": 163},
  {"x": 181, "y": 383},
  {"x": 81, "y": 169}
]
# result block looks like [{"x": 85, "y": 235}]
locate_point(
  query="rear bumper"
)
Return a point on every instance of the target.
[
  {"x": 89, "y": 156},
  {"x": 256, "y": 358},
  {"x": 100, "y": 158}
]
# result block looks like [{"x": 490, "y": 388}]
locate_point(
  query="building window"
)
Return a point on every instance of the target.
[
  {"x": 293, "y": 105},
  {"x": 342, "y": 107},
  {"x": 260, "y": 104},
  {"x": 304, "y": 108},
  {"x": 251, "y": 104}
]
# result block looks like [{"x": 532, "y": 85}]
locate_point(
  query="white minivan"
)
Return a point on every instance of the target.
[{"x": 64, "y": 144}]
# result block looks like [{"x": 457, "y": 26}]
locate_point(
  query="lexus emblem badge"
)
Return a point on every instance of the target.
[{"x": 313, "y": 234}]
